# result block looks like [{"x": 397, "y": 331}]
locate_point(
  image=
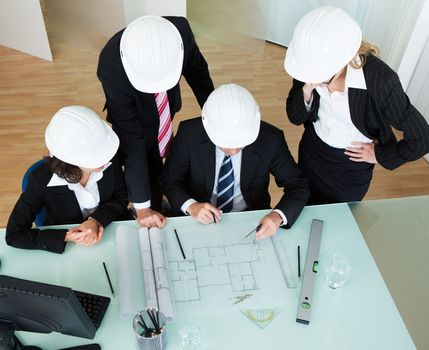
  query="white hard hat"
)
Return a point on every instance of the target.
[
  {"x": 151, "y": 51},
  {"x": 231, "y": 117},
  {"x": 76, "y": 135},
  {"x": 324, "y": 41}
]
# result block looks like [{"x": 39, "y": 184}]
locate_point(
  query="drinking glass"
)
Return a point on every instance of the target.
[{"x": 338, "y": 271}]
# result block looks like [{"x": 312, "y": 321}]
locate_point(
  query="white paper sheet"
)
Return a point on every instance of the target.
[{"x": 218, "y": 269}]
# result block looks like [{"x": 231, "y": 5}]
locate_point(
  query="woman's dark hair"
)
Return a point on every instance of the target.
[{"x": 70, "y": 173}]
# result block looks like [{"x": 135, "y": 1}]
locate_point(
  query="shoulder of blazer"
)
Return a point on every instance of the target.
[
  {"x": 42, "y": 175},
  {"x": 194, "y": 132},
  {"x": 268, "y": 130},
  {"x": 193, "y": 127},
  {"x": 376, "y": 73},
  {"x": 185, "y": 31},
  {"x": 268, "y": 138},
  {"x": 110, "y": 69},
  {"x": 181, "y": 23}
]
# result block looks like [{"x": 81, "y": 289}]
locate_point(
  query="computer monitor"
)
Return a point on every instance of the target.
[{"x": 39, "y": 307}]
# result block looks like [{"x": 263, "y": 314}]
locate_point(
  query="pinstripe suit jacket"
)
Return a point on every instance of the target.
[{"x": 374, "y": 112}]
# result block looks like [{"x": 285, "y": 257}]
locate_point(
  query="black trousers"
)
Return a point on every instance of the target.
[{"x": 333, "y": 177}]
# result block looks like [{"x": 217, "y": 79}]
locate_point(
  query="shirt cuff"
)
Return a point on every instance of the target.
[
  {"x": 187, "y": 204},
  {"x": 142, "y": 205},
  {"x": 308, "y": 105},
  {"x": 278, "y": 211}
]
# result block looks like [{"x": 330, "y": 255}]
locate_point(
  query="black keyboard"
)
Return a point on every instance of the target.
[{"x": 95, "y": 306}]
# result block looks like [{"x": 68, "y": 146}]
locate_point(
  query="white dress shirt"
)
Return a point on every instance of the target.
[
  {"x": 238, "y": 203},
  {"x": 334, "y": 125},
  {"x": 142, "y": 205},
  {"x": 88, "y": 197}
]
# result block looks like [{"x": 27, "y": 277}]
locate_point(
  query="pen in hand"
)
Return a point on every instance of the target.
[{"x": 256, "y": 229}]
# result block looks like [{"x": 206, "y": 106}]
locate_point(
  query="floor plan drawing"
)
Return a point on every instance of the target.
[
  {"x": 220, "y": 269},
  {"x": 226, "y": 268}
]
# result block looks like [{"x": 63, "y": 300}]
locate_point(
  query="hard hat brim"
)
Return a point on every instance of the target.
[
  {"x": 312, "y": 74},
  {"x": 105, "y": 154},
  {"x": 236, "y": 140},
  {"x": 324, "y": 41},
  {"x": 86, "y": 155},
  {"x": 150, "y": 83}
]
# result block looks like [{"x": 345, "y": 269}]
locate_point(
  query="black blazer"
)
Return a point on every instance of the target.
[
  {"x": 374, "y": 112},
  {"x": 189, "y": 171},
  {"x": 134, "y": 115},
  {"x": 61, "y": 207}
]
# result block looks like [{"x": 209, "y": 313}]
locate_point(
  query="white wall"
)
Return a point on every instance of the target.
[
  {"x": 415, "y": 47},
  {"x": 414, "y": 68},
  {"x": 132, "y": 10},
  {"x": 136, "y": 8},
  {"x": 418, "y": 90},
  {"x": 85, "y": 23},
  {"x": 165, "y": 7},
  {"x": 22, "y": 27}
]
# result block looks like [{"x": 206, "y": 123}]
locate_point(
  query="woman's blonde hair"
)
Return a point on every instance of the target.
[{"x": 366, "y": 49}]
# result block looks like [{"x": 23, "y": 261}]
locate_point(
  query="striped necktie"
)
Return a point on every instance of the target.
[
  {"x": 225, "y": 186},
  {"x": 165, "y": 132}
]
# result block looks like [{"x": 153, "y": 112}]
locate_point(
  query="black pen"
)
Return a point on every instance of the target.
[
  {"x": 256, "y": 229},
  {"x": 108, "y": 279},
  {"x": 180, "y": 244},
  {"x": 214, "y": 217},
  {"x": 299, "y": 261}
]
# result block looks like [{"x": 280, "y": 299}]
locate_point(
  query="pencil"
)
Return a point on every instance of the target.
[
  {"x": 180, "y": 244},
  {"x": 142, "y": 321},
  {"x": 214, "y": 217},
  {"x": 108, "y": 279},
  {"x": 299, "y": 261}
]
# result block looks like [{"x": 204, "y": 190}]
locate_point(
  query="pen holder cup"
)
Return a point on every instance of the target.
[{"x": 152, "y": 341}]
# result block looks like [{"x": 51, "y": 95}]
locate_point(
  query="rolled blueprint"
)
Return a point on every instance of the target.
[
  {"x": 130, "y": 276},
  {"x": 155, "y": 268}
]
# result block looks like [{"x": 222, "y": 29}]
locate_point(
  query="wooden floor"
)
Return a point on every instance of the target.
[{"x": 32, "y": 90}]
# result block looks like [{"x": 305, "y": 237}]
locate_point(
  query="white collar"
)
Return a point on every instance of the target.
[
  {"x": 355, "y": 78},
  {"x": 58, "y": 181},
  {"x": 220, "y": 152}
]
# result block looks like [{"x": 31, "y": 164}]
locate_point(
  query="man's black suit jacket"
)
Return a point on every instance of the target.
[
  {"x": 374, "y": 112},
  {"x": 134, "y": 114},
  {"x": 189, "y": 171},
  {"x": 61, "y": 207}
]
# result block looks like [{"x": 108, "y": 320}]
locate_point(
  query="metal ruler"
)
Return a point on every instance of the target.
[
  {"x": 283, "y": 262},
  {"x": 310, "y": 270}
]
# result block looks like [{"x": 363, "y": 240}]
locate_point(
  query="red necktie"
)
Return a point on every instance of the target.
[{"x": 165, "y": 132}]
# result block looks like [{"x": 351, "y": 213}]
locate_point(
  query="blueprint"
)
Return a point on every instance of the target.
[
  {"x": 220, "y": 269},
  {"x": 155, "y": 271},
  {"x": 142, "y": 271}
]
